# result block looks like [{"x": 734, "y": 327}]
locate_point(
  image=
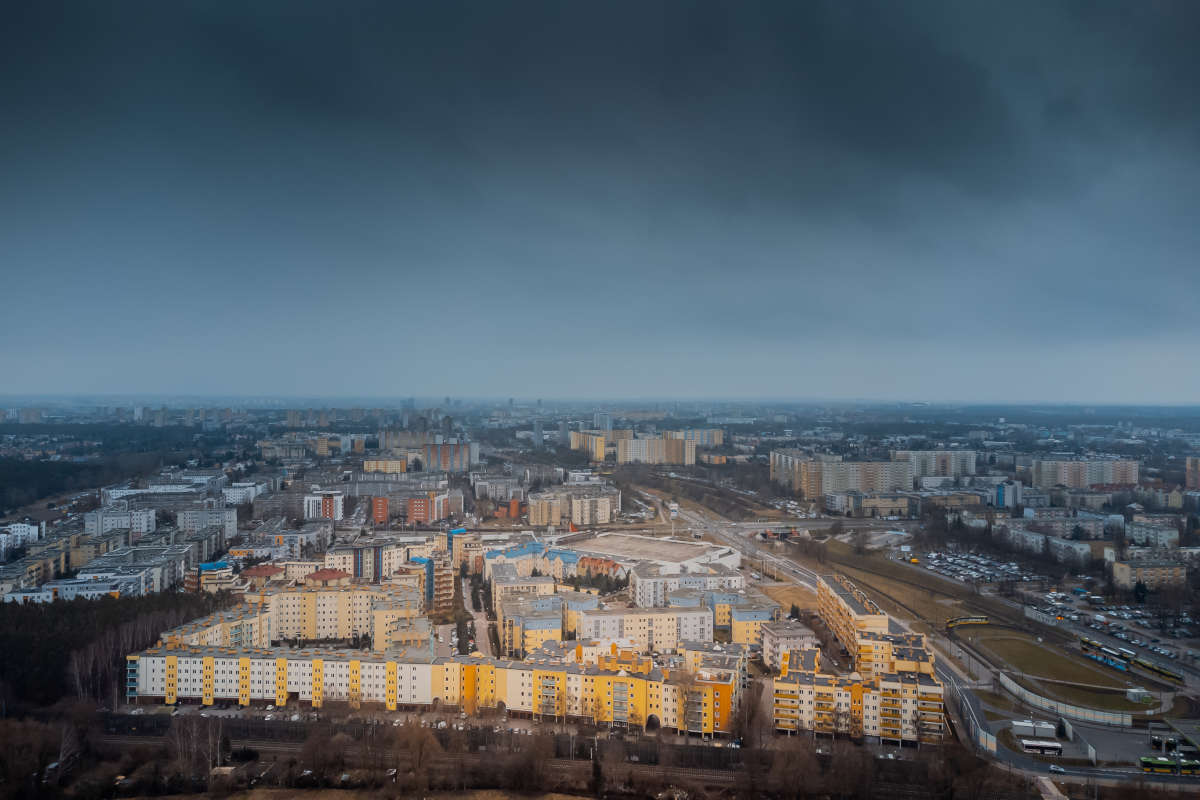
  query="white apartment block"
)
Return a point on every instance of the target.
[
  {"x": 17, "y": 534},
  {"x": 324, "y": 505},
  {"x": 119, "y": 517},
  {"x": 649, "y": 585},
  {"x": 938, "y": 463},
  {"x": 649, "y": 629},
  {"x": 197, "y": 519},
  {"x": 277, "y": 675},
  {"x": 1149, "y": 535},
  {"x": 242, "y": 492}
]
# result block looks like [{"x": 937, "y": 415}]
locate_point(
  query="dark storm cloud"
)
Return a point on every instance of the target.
[{"x": 803, "y": 198}]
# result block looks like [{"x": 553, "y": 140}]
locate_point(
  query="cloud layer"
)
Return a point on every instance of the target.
[{"x": 959, "y": 201}]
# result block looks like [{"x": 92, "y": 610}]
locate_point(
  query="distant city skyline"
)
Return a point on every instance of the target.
[{"x": 958, "y": 202}]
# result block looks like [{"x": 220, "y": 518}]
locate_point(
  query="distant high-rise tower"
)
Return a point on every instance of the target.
[
  {"x": 538, "y": 436},
  {"x": 602, "y": 421}
]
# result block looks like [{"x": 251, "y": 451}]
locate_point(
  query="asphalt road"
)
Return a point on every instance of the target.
[{"x": 483, "y": 642}]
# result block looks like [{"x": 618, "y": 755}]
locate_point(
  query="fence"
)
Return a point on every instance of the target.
[
  {"x": 976, "y": 732},
  {"x": 1113, "y": 718}
]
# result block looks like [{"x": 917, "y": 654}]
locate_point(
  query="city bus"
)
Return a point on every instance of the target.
[
  {"x": 1042, "y": 747},
  {"x": 1163, "y": 766}
]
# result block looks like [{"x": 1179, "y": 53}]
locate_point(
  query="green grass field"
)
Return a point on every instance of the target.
[{"x": 1024, "y": 653}]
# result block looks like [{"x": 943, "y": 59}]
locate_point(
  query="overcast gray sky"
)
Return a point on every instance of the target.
[{"x": 946, "y": 201}]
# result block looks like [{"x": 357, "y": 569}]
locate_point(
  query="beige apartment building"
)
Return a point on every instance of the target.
[
  {"x": 591, "y": 442},
  {"x": 656, "y": 451},
  {"x": 1156, "y": 574},
  {"x": 813, "y": 477},
  {"x": 1082, "y": 472}
]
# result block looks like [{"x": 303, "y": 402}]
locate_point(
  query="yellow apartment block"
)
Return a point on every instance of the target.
[
  {"x": 390, "y": 465},
  {"x": 697, "y": 702},
  {"x": 590, "y": 442}
]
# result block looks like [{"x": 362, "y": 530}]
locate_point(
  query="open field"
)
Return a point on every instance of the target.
[
  {"x": 1023, "y": 652},
  {"x": 788, "y": 593}
]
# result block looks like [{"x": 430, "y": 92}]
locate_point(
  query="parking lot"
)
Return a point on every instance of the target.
[
  {"x": 1135, "y": 627},
  {"x": 971, "y": 568}
]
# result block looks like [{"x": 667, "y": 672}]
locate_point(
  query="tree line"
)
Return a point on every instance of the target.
[{"x": 77, "y": 649}]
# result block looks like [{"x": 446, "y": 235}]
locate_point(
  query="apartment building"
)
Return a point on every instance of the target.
[
  {"x": 648, "y": 629},
  {"x": 938, "y": 463},
  {"x": 118, "y": 517},
  {"x": 1081, "y": 473},
  {"x": 893, "y": 694},
  {"x": 656, "y": 451},
  {"x": 747, "y": 621},
  {"x": 1154, "y": 573},
  {"x": 650, "y": 585},
  {"x": 433, "y": 506},
  {"x": 848, "y": 611},
  {"x": 198, "y": 519},
  {"x": 813, "y": 477},
  {"x": 590, "y": 442},
  {"x": 68, "y": 589},
  {"x": 582, "y": 505},
  {"x": 451, "y": 455},
  {"x": 379, "y": 510},
  {"x": 1149, "y": 534},
  {"x": 242, "y": 492},
  {"x": 315, "y": 611},
  {"x": 703, "y": 702},
  {"x": 367, "y": 558},
  {"x": 895, "y": 706},
  {"x": 784, "y": 636},
  {"x": 703, "y": 437},
  {"x": 328, "y": 504},
  {"x": 507, "y": 583},
  {"x": 385, "y": 465},
  {"x": 528, "y": 620}
]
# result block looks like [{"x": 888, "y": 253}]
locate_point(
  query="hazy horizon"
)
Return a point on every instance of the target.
[{"x": 942, "y": 202}]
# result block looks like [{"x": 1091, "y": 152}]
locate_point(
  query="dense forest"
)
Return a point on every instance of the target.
[
  {"x": 77, "y": 649},
  {"x": 26, "y": 482},
  {"x": 119, "y": 452}
]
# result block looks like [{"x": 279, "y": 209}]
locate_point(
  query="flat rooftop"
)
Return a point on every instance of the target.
[{"x": 626, "y": 547}]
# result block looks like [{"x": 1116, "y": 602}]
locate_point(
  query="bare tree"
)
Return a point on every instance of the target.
[
  {"x": 422, "y": 747},
  {"x": 747, "y": 722},
  {"x": 795, "y": 772}
]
